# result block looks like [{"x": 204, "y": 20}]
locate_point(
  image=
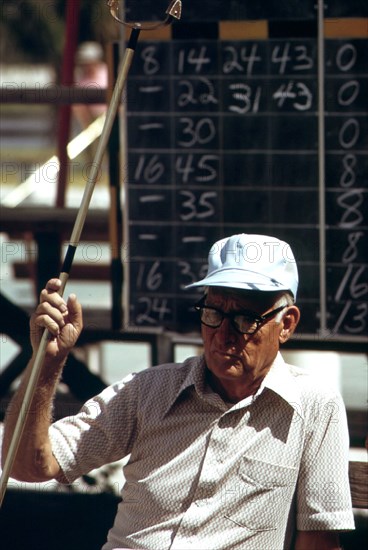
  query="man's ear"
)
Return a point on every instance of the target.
[{"x": 289, "y": 323}]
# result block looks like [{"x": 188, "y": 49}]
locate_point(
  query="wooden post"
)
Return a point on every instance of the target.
[{"x": 67, "y": 77}]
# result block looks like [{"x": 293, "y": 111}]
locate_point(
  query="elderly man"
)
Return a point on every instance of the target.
[{"x": 231, "y": 450}]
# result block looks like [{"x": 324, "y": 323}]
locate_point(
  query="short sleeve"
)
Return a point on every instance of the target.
[
  {"x": 323, "y": 490},
  {"x": 102, "y": 432}
]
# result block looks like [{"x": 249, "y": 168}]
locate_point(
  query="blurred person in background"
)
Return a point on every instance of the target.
[{"x": 91, "y": 72}]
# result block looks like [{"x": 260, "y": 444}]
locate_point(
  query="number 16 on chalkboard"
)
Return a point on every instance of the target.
[
  {"x": 149, "y": 278},
  {"x": 356, "y": 289}
]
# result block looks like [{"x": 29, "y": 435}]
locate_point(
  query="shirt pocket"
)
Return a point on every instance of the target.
[
  {"x": 265, "y": 494},
  {"x": 266, "y": 475}
]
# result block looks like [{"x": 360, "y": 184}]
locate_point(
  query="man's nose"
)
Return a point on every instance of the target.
[{"x": 227, "y": 330}]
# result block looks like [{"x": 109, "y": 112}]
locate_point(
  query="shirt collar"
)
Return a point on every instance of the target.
[
  {"x": 195, "y": 376},
  {"x": 279, "y": 379},
  {"x": 194, "y": 369}
]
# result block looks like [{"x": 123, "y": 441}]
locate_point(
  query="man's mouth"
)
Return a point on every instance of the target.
[{"x": 227, "y": 353}]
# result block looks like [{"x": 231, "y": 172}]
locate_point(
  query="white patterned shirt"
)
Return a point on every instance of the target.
[{"x": 206, "y": 475}]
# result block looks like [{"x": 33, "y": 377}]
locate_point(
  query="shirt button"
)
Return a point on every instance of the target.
[{"x": 202, "y": 502}]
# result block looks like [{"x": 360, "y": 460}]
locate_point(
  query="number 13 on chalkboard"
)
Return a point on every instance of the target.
[{"x": 353, "y": 318}]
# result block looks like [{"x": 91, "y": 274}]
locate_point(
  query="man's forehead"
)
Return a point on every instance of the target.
[{"x": 243, "y": 298}]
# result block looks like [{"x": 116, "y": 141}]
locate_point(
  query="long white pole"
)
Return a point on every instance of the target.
[{"x": 74, "y": 241}]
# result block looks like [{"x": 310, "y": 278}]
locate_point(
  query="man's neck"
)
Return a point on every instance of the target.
[{"x": 233, "y": 392}]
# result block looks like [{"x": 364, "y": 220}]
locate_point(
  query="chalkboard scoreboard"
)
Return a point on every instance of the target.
[{"x": 223, "y": 139}]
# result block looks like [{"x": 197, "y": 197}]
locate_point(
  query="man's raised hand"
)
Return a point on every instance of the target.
[{"x": 63, "y": 320}]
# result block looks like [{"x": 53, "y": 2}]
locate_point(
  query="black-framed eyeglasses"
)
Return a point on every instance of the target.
[{"x": 244, "y": 321}]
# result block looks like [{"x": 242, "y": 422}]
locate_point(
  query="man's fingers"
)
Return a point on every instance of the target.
[
  {"x": 53, "y": 285},
  {"x": 53, "y": 313},
  {"x": 62, "y": 319},
  {"x": 46, "y": 322},
  {"x": 53, "y": 298},
  {"x": 57, "y": 313},
  {"x": 75, "y": 312}
]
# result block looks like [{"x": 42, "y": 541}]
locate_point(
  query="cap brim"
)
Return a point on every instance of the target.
[{"x": 240, "y": 279}]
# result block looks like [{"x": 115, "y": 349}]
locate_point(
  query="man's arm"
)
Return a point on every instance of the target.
[
  {"x": 34, "y": 460},
  {"x": 317, "y": 540}
]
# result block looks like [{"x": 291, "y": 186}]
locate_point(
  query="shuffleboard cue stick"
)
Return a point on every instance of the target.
[
  {"x": 74, "y": 241},
  {"x": 173, "y": 11}
]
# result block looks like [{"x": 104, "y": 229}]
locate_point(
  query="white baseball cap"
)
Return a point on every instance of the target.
[{"x": 251, "y": 262}]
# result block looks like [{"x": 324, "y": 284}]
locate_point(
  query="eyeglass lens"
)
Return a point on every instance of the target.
[{"x": 213, "y": 318}]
